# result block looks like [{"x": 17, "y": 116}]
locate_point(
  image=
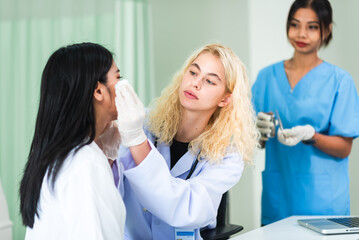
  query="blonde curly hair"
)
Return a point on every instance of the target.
[{"x": 230, "y": 129}]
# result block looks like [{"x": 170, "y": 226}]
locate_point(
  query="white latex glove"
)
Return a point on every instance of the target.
[
  {"x": 110, "y": 141},
  {"x": 293, "y": 136},
  {"x": 130, "y": 115},
  {"x": 265, "y": 126}
]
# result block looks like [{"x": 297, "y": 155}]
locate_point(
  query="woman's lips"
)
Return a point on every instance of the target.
[
  {"x": 190, "y": 95},
  {"x": 301, "y": 44}
]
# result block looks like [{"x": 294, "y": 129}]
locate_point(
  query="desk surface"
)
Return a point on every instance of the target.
[{"x": 289, "y": 229}]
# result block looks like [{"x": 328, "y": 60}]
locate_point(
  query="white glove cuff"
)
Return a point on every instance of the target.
[
  {"x": 309, "y": 132},
  {"x": 133, "y": 138}
]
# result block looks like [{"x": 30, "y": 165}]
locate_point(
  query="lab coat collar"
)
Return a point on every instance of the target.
[{"x": 183, "y": 165}]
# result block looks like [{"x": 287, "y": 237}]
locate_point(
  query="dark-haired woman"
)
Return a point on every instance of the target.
[
  {"x": 67, "y": 190},
  {"x": 306, "y": 170}
]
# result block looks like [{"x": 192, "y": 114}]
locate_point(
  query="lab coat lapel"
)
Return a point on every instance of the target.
[
  {"x": 183, "y": 165},
  {"x": 165, "y": 152}
]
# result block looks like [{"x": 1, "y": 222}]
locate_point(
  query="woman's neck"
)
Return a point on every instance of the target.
[
  {"x": 101, "y": 122},
  {"x": 100, "y": 127},
  {"x": 304, "y": 61},
  {"x": 297, "y": 67},
  {"x": 192, "y": 125}
]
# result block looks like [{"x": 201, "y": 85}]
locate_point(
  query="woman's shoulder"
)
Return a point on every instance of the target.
[
  {"x": 232, "y": 155},
  {"x": 335, "y": 75},
  {"x": 83, "y": 171},
  {"x": 86, "y": 165},
  {"x": 91, "y": 149},
  {"x": 271, "y": 70},
  {"x": 273, "y": 66},
  {"x": 231, "y": 162},
  {"x": 336, "y": 71},
  {"x": 267, "y": 74},
  {"x": 87, "y": 156}
]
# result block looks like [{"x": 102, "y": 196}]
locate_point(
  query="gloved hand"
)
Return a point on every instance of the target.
[
  {"x": 293, "y": 136},
  {"x": 265, "y": 126},
  {"x": 130, "y": 115},
  {"x": 110, "y": 140}
]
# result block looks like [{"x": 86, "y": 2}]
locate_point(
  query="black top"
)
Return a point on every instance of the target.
[{"x": 178, "y": 149}]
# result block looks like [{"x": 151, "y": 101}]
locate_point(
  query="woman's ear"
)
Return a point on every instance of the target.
[
  {"x": 225, "y": 101},
  {"x": 98, "y": 92},
  {"x": 327, "y": 32}
]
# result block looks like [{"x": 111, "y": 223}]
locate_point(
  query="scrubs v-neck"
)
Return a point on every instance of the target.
[{"x": 302, "y": 180}]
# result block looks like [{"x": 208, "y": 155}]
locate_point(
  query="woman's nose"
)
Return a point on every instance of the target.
[
  {"x": 302, "y": 32},
  {"x": 196, "y": 83}
]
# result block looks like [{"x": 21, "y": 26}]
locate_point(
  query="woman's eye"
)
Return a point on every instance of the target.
[
  {"x": 192, "y": 73},
  {"x": 210, "y": 82},
  {"x": 313, "y": 27},
  {"x": 293, "y": 25}
]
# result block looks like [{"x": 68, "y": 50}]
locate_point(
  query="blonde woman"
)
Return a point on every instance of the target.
[{"x": 196, "y": 139}]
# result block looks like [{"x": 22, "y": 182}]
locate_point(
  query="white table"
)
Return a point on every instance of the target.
[{"x": 289, "y": 229}]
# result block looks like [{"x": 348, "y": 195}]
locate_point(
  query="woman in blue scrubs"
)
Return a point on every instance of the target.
[
  {"x": 306, "y": 170},
  {"x": 205, "y": 114}
]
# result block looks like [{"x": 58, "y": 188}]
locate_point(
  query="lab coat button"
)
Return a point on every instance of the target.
[{"x": 157, "y": 222}]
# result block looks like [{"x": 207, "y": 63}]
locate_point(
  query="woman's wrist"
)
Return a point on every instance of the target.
[{"x": 311, "y": 141}]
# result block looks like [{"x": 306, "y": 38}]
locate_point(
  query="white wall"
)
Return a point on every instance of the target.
[
  {"x": 255, "y": 30},
  {"x": 180, "y": 27},
  {"x": 344, "y": 52},
  {"x": 268, "y": 44}
]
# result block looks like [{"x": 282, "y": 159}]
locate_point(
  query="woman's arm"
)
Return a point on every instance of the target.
[
  {"x": 140, "y": 152},
  {"x": 180, "y": 203},
  {"x": 335, "y": 146}
]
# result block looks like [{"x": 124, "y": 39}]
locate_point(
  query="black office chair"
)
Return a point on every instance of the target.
[{"x": 223, "y": 229}]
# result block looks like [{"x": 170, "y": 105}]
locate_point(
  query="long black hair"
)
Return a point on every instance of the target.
[
  {"x": 324, "y": 12},
  {"x": 65, "y": 120}
]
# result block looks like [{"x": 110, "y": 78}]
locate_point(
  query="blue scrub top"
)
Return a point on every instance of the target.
[{"x": 302, "y": 180}]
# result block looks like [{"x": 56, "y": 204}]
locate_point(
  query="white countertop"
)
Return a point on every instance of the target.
[{"x": 289, "y": 229}]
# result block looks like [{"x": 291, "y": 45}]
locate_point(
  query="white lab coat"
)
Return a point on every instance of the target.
[
  {"x": 84, "y": 204},
  {"x": 158, "y": 199}
]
